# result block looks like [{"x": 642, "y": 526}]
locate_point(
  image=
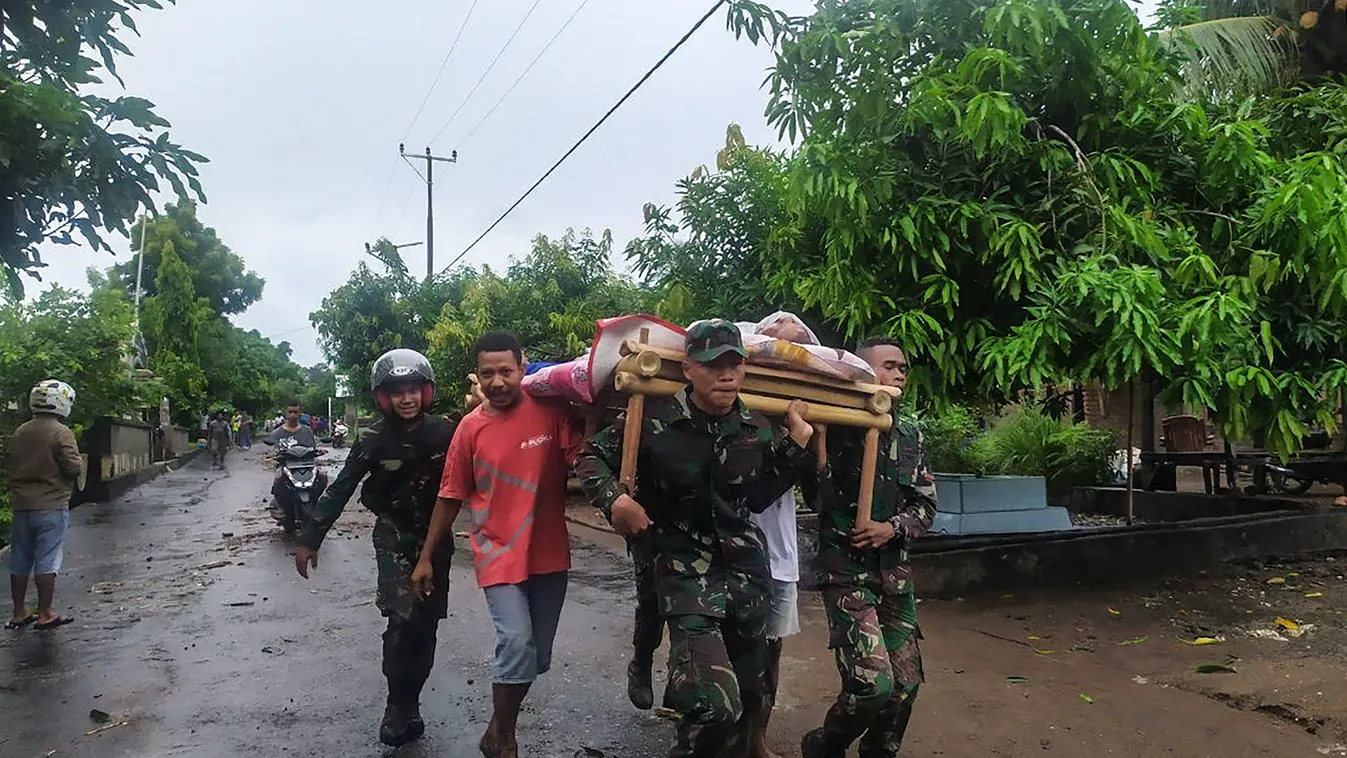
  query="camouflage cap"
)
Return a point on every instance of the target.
[{"x": 709, "y": 339}]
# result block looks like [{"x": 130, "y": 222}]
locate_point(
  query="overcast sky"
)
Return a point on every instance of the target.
[{"x": 300, "y": 107}]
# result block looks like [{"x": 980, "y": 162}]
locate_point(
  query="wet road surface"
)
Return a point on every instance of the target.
[{"x": 196, "y": 636}]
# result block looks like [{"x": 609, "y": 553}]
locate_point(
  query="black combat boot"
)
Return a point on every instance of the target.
[
  {"x": 640, "y": 691},
  {"x": 818, "y": 744},
  {"x": 415, "y": 725},
  {"x": 396, "y": 728}
]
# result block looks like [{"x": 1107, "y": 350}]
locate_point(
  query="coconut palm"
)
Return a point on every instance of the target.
[{"x": 1239, "y": 47}]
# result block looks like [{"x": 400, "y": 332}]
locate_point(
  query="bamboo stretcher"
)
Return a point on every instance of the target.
[{"x": 647, "y": 371}]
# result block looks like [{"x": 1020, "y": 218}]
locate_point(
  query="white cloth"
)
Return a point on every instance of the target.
[{"x": 783, "y": 541}]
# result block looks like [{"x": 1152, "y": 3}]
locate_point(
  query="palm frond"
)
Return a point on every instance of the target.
[{"x": 1233, "y": 57}]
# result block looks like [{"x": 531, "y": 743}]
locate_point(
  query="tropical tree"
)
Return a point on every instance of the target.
[
  {"x": 74, "y": 162},
  {"x": 218, "y": 274},
  {"x": 1237, "y": 47},
  {"x": 1021, "y": 193}
]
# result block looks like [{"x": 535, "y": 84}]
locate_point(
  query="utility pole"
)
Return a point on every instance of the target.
[{"x": 429, "y": 179}]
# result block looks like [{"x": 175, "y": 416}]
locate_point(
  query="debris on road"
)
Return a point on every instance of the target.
[{"x": 99, "y": 717}]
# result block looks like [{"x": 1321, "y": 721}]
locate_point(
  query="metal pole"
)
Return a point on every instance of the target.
[
  {"x": 430, "y": 215},
  {"x": 140, "y": 267}
]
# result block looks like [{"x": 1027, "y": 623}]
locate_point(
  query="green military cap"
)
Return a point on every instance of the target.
[{"x": 708, "y": 340}]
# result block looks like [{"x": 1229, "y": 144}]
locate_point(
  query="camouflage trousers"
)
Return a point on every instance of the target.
[
  {"x": 874, "y": 639},
  {"x": 648, "y": 631},
  {"x": 409, "y": 640},
  {"x": 409, "y": 655},
  {"x": 717, "y": 684}
]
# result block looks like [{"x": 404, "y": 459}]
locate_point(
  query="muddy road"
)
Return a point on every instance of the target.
[{"x": 196, "y": 637}]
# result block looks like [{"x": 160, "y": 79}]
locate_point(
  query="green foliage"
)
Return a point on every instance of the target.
[
  {"x": 218, "y": 274},
  {"x": 1025, "y": 192},
  {"x": 69, "y": 336},
  {"x": 74, "y": 162},
  {"x": 1028, "y": 443},
  {"x": 550, "y": 299},
  {"x": 705, "y": 256},
  {"x": 948, "y": 436}
]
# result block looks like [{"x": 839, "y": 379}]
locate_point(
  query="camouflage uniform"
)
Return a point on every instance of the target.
[
  {"x": 648, "y": 631},
  {"x": 698, "y": 479},
  {"x": 871, "y": 606},
  {"x": 403, "y": 469}
]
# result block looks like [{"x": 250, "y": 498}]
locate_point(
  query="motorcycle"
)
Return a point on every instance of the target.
[
  {"x": 301, "y": 486},
  {"x": 338, "y": 435}
]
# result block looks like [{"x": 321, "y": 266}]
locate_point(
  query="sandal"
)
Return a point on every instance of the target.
[
  {"x": 12, "y": 624},
  {"x": 58, "y": 621}
]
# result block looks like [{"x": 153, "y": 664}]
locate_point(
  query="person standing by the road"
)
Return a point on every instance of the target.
[
  {"x": 400, "y": 458},
  {"x": 508, "y": 464},
  {"x": 866, "y": 580},
  {"x": 44, "y": 465},
  {"x": 221, "y": 435},
  {"x": 246, "y": 431},
  {"x": 705, "y": 463}
]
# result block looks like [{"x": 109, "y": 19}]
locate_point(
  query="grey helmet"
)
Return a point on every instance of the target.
[{"x": 402, "y": 366}]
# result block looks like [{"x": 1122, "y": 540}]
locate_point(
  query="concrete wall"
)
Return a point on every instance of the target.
[{"x": 121, "y": 452}]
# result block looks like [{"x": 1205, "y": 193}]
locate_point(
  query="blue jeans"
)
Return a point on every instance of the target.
[
  {"x": 526, "y": 617},
  {"x": 37, "y": 542}
]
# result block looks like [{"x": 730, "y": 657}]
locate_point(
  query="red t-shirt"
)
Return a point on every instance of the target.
[{"x": 509, "y": 469}]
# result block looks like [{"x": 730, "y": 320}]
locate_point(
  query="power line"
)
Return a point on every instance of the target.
[
  {"x": 539, "y": 57},
  {"x": 592, "y": 129},
  {"x": 452, "y": 47},
  {"x": 489, "y": 67}
]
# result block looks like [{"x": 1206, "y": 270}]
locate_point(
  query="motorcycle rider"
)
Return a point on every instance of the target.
[
  {"x": 303, "y": 435},
  {"x": 403, "y": 456}
]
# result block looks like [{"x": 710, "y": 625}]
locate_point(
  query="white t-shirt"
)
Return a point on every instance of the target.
[{"x": 783, "y": 543}]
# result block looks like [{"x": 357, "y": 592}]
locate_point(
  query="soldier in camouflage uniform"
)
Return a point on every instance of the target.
[
  {"x": 705, "y": 463},
  {"x": 400, "y": 459},
  {"x": 866, "y": 580}
]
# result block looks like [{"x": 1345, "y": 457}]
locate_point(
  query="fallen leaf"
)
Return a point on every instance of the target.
[
  {"x": 1214, "y": 668},
  {"x": 1115, "y": 612},
  {"x": 1017, "y": 680},
  {"x": 1045, "y": 652},
  {"x": 1203, "y": 641},
  {"x": 1277, "y": 580},
  {"x": 1134, "y": 641},
  {"x": 1287, "y": 624},
  {"x": 1033, "y": 637},
  {"x": 1086, "y": 698},
  {"x": 1294, "y": 573},
  {"x": 1314, "y": 594}
]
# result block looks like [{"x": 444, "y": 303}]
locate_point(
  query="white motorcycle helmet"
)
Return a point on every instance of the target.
[{"x": 52, "y": 396}]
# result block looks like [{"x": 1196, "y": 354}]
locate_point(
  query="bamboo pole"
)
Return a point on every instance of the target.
[
  {"x": 625, "y": 381},
  {"x": 818, "y": 380},
  {"x": 631, "y": 432},
  {"x": 786, "y": 384},
  {"x": 870, "y": 458},
  {"x": 821, "y": 434}
]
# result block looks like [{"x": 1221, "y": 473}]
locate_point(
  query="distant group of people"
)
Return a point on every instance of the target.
[{"x": 710, "y": 565}]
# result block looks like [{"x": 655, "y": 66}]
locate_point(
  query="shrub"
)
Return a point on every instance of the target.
[
  {"x": 948, "y": 436},
  {"x": 1029, "y": 443}
]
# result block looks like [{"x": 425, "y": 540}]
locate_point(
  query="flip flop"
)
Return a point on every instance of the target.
[
  {"x": 58, "y": 621},
  {"x": 12, "y": 624}
]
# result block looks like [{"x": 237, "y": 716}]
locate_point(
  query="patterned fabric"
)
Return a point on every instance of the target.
[
  {"x": 717, "y": 683},
  {"x": 699, "y": 478},
  {"x": 401, "y": 469}
]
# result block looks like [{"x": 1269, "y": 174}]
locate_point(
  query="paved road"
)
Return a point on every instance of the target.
[
  {"x": 194, "y": 631},
  {"x": 193, "y": 628}
]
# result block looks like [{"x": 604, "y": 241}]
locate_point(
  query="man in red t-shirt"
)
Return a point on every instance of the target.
[{"x": 508, "y": 464}]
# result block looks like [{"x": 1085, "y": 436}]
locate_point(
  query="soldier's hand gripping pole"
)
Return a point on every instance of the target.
[{"x": 865, "y": 499}]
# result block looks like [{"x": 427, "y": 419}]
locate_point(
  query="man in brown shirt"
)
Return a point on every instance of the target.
[{"x": 44, "y": 464}]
